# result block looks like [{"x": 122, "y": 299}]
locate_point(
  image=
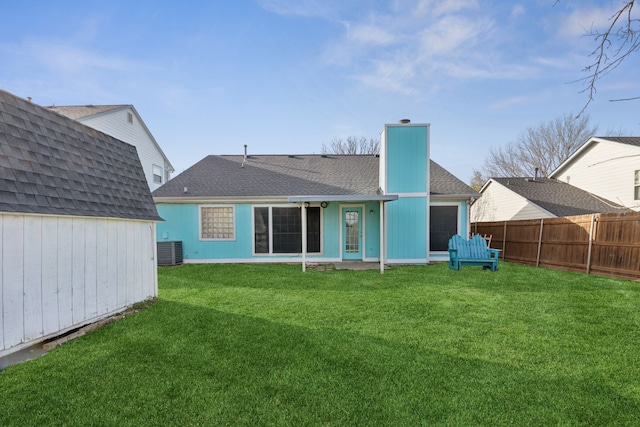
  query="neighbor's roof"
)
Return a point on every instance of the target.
[
  {"x": 50, "y": 164},
  {"x": 82, "y": 112},
  {"x": 76, "y": 112},
  {"x": 629, "y": 140},
  {"x": 559, "y": 198},
  {"x": 289, "y": 175}
]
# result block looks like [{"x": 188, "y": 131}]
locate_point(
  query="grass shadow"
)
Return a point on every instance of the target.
[{"x": 181, "y": 364}]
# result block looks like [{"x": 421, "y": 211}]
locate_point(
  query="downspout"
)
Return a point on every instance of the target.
[
  {"x": 469, "y": 232},
  {"x": 304, "y": 236},
  {"x": 381, "y": 237}
]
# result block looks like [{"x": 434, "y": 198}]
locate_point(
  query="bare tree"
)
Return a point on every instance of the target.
[
  {"x": 543, "y": 147},
  {"x": 617, "y": 42},
  {"x": 478, "y": 180},
  {"x": 352, "y": 145}
]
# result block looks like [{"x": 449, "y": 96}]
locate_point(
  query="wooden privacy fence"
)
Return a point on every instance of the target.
[{"x": 604, "y": 244}]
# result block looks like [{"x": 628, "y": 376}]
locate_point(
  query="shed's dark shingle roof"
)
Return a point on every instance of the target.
[
  {"x": 559, "y": 198},
  {"x": 290, "y": 175},
  {"x": 50, "y": 164}
]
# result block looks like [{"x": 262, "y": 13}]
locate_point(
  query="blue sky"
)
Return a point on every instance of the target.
[{"x": 286, "y": 76}]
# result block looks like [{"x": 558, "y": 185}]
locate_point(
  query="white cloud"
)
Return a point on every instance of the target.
[
  {"x": 438, "y": 8},
  {"x": 369, "y": 34},
  {"x": 511, "y": 102},
  {"x": 67, "y": 58},
  {"x": 305, "y": 8},
  {"x": 451, "y": 34},
  {"x": 392, "y": 76},
  {"x": 583, "y": 21},
  {"x": 415, "y": 45},
  {"x": 517, "y": 11}
]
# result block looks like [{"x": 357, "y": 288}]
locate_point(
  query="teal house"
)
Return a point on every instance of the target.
[{"x": 395, "y": 207}]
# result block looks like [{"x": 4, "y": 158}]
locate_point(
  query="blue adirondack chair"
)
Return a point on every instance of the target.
[{"x": 472, "y": 252}]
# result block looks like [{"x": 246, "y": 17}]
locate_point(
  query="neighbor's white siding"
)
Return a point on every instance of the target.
[
  {"x": 605, "y": 169},
  {"x": 116, "y": 123},
  {"x": 498, "y": 203},
  {"x": 59, "y": 273}
]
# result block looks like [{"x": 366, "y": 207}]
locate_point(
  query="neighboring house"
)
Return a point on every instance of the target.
[
  {"x": 398, "y": 207},
  {"x": 505, "y": 199},
  {"x": 607, "y": 166},
  {"x": 124, "y": 123},
  {"x": 77, "y": 225}
]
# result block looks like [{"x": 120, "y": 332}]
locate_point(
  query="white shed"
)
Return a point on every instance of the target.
[{"x": 77, "y": 225}]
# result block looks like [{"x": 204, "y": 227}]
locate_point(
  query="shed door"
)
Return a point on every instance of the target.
[{"x": 352, "y": 233}]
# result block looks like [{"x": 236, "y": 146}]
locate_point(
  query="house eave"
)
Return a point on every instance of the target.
[
  {"x": 219, "y": 199},
  {"x": 455, "y": 196},
  {"x": 344, "y": 198}
]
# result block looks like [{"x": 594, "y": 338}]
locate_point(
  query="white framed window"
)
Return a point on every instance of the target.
[
  {"x": 636, "y": 185},
  {"x": 129, "y": 117},
  {"x": 157, "y": 174},
  {"x": 217, "y": 222},
  {"x": 278, "y": 230}
]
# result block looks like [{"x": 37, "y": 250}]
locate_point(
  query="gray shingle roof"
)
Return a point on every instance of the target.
[
  {"x": 559, "y": 198},
  {"x": 444, "y": 183},
  {"x": 290, "y": 175},
  {"x": 76, "y": 112},
  {"x": 50, "y": 164},
  {"x": 629, "y": 140}
]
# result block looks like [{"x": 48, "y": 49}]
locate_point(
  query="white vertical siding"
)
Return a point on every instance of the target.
[
  {"x": 49, "y": 281},
  {"x": 33, "y": 311},
  {"x": 1, "y": 279},
  {"x": 606, "y": 170},
  {"x": 58, "y": 273},
  {"x": 77, "y": 276},
  {"x": 498, "y": 203},
  {"x": 116, "y": 124},
  {"x": 13, "y": 280},
  {"x": 65, "y": 272}
]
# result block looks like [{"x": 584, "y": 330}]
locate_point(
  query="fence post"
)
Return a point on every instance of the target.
[
  {"x": 504, "y": 241},
  {"x": 593, "y": 220},
  {"x": 539, "y": 242}
]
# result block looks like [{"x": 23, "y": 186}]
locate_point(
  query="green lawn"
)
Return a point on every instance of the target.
[{"x": 250, "y": 345}]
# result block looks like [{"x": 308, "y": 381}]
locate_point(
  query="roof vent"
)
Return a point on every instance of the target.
[{"x": 404, "y": 121}]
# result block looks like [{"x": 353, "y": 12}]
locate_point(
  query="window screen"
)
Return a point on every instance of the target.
[
  {"x": 444, "y": 224},
  {"x": 285, "y": 234}
]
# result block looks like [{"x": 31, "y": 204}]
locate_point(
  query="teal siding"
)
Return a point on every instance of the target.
[
  {"x": 372, "y": 230},
  {"x": 407, "y": 159},
  {"x": 181, "y": 223},
  {"x": 407, "y": 229},
  {"x": 331, "y": 231}
]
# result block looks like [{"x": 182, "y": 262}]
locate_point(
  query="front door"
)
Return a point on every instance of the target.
[{"x": 352, "y": 233}]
